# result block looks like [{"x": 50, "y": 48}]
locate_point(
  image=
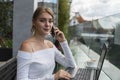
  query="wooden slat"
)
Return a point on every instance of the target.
[{"x": 8, "y": 69}]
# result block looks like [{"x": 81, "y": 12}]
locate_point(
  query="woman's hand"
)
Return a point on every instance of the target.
[
  {"x": 59, "y": 35},
  {"x": 61, "y": 74}
]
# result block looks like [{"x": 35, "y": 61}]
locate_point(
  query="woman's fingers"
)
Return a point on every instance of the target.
[
  {"x": 65, "y": 75},
  {"x": 58, "y": 32},
  {"x": 59, "y": 35}
]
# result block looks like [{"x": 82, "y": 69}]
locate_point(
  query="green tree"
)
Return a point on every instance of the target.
[
  {"x": 63, "y": 16},
  {"x": 63, "y": 19},
  {"x": 6, "y": 23}
]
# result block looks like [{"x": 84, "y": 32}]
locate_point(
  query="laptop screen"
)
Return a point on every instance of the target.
[{"x": 101, "y": 59}]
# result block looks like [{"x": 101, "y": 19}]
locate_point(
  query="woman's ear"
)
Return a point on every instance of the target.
[
  {"x": 33, "y": 21},
  {"x": 33, "y": 24}
]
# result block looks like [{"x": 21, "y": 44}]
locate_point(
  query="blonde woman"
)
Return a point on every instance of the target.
[{"x": 36, "y": 56}]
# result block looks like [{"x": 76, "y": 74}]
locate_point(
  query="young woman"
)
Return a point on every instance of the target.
[{"x": 36, "y": 56}]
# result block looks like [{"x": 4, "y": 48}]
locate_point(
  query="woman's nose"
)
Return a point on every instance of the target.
[{"x": 47, "y": 23}]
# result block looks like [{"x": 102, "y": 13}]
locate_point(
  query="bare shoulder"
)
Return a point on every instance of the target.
[
  {"x": 49, "y": 43},
  {"x": 25, "y": 46}
]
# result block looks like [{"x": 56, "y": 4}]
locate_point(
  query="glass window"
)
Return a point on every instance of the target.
[{"x": 90, "y": 37}]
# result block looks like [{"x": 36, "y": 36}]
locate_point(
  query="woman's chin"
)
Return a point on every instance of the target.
[{"x": 47, "y": 33}]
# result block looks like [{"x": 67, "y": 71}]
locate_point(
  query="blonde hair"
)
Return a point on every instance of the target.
[{"x": 39, "y": 11}]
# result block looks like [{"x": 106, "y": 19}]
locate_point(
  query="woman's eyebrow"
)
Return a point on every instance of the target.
[
  {"x": 46, "y": 18},
  {"x": 51, "y": 19}
]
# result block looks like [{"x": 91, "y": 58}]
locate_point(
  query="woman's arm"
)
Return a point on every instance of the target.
[{"x": 67, "y": 59}]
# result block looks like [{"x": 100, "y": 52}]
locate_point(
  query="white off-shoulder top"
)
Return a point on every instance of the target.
[{"x": 40, "y": 65}]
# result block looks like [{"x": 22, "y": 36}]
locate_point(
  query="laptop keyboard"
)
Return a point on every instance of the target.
[{"x": 82, "y": 74}]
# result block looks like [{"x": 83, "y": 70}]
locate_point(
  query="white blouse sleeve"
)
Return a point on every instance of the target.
[
  {"x": 23, "y": 63},
  {"x": 67, "y": 59}
]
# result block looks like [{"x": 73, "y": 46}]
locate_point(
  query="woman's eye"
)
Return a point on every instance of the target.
[
  {"x": 44, "y": 20},
  {"x": 50, "y": 21},
  {"x": 41, "y": 20}
]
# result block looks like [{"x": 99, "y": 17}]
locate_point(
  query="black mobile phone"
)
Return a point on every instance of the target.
[{"x": 53, "y": 31}]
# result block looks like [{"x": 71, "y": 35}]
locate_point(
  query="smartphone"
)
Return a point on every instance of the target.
[{"x": 53, "y": 31}]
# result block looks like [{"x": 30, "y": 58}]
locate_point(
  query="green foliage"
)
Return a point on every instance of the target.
[
  {"x": 6, "y": 23},
  {"x": 5, "y": 43},
  {"x": 63, "y": 16}
]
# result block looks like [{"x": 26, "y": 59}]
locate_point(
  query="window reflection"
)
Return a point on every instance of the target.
[{"x": 93, "y": 34}]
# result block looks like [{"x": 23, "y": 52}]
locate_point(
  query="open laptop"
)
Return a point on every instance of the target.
[{"x": 89, "y": 73}]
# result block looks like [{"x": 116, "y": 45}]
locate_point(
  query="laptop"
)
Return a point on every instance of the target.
[{"x": 89, "y": 73}]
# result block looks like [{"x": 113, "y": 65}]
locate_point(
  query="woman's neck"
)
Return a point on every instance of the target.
[{"x": 39, "y": 37}]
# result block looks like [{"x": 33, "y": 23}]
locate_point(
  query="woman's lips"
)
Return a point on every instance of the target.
[{"x": 46, "y": 29}]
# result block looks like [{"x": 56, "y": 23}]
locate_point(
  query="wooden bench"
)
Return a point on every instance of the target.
[{"x": 8, "y": 69}]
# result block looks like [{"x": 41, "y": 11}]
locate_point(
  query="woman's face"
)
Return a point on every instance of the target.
[{"x": 43, "y": 23}]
